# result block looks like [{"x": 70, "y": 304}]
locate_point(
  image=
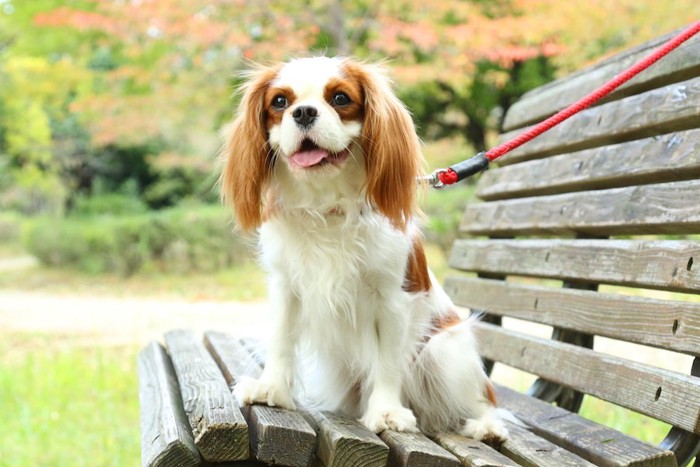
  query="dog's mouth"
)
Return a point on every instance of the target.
[{"x": 310, "y": 155}]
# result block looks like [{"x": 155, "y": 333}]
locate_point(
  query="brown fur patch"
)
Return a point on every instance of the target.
[
  {"x": 354, "y": 111},
  {"x": 491, "y": 393},
  {"x": 417, "y": 275},
  {"x": 391, "y": 146},
  {"x": 445, "y": 321},
  {"x": 247, "y": 154},
  {"x": 274, "y": 116}
]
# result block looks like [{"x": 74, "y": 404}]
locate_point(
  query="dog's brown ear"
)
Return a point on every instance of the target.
[
  {"x": 247, "y": 155},
  {"x": 391, "y": 146}
]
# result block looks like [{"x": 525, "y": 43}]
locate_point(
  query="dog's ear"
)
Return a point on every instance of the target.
[
  {"x": 247, "y": 155},
  {"x": 390, "y": 144}
]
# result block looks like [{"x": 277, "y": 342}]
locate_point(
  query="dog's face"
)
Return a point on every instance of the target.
[
  {"x": 314, "y": 112},
  {"x": 315, "y": 116}
]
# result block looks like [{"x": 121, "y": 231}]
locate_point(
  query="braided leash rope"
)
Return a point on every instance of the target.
[{"x": 453, "y": 174}]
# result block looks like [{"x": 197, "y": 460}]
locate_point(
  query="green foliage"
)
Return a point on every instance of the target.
[
  {"x": 188, "y": 238},
  {"x": 444, "y": 210},
  {"x": 114, "y": 203},
  {"x": 10, "y": 227},
  {"x": 69, "y": 406}
]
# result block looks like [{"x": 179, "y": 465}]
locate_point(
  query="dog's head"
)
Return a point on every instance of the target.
[{"x": 314, "y": 116}]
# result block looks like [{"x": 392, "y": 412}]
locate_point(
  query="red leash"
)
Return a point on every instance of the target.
[{"x": 442, "y": 177}]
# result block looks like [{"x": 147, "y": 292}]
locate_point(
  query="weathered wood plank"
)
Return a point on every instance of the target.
[
  {"x": 670, "y": 108},
  {"x": 665, "y": 208},
  {"x": 416, "y": 450},
  {"x": 674, "y": 156},
  {"x": 220, "y": 431},
  {"x": 166, "y": 437},
  {"x": 528, "y": 449},
  {"x": 233, "y": 359},
  {"x": 659, "y": 264},
  {"x": 473, "y": 453},
  {"x": 662, "y": 394},
  {"x": 280, "y": 436},
  {"x": 681, "y": 64},
  {"x": 343, "y": 442},
  {"x": 596, "y": 443},
  {"x": 277, "y": 436},
  {"x": 666, "y": 324}
]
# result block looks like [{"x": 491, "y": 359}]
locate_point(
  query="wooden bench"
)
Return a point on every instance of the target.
[{"x": 609, "y": 200}]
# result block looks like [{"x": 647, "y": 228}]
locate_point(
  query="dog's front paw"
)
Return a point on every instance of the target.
[
  {"x": 391, "y": 418},
  {"x": 249, "y": 391},
  {"x": 487, "y": 428}
]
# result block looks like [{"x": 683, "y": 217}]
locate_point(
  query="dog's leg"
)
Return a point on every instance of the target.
[
  {"x": 384, "y": 407},
  {"x": 274, "y": 387}
]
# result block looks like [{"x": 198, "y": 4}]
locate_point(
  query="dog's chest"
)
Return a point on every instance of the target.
[{"x": 336, "y": 260}]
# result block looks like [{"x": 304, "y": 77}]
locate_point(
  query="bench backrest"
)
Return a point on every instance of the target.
[{"x": 607, "y": 203}]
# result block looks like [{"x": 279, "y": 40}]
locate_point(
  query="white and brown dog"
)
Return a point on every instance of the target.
[{"x": 323, "y": 159}]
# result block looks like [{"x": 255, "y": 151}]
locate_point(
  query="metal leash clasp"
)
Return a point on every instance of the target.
[{"x": 434, "y": 179}]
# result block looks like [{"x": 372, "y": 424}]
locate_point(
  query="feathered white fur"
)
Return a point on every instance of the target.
[{"x": 323, "y": 158}]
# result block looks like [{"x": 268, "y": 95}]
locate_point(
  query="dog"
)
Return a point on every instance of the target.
[{"x": 322, "y": 159}]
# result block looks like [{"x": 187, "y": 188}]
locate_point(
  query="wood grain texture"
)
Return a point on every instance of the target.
[
  {"x": 655, "y": 264},
  {"x": 277, "y": 436},
  {"x": 665, "y": 158},
  {"x": 416, "y": 450},
  {"x": 346, "y": 443},
  {"x": 166, "y": 437},
  {"x": 681, "y": 64},
  {"x": 220, "y": 431},
  {"x": 596, "y": 443},
  {"x": 662, "y": 394},
  {"x": 665, "y": 324},
  {"x": 473, "y": 453},
  {"x": 233, "y": 359},
  {"x": 530, "y": 450},
  {"x": 662, "y": 110},
  {"x": 664, "y": 208}
]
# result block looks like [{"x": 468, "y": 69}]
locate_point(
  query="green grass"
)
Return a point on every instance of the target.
[
  {"x": 67, "y": 406},
  {"x": 245, "y": 282}
]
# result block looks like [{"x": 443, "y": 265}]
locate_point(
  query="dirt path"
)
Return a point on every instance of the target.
[{"x": 117, "y": 321}]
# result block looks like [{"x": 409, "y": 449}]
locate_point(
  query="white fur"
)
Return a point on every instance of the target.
[{"x": 347, "y": 336}]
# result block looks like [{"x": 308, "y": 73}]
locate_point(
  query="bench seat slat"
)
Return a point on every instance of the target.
[
  {"x": 277, "y": 435},
  {"x": 683, "y": 63},
  {"x": 662, "y": 110},
  {"x": 220, "y": 431},
  {"x": 346, "y": 443},
  {"x": 473, "y": 453},
  {"x": 655, "y": 264},
  {"x": 416, "y": 450},
  {"x": 665, "y": 208},
  {"x": 673, "y": 156},
  {"x": 528, "y": 449},
  {"x": 166, "y": 437},
  {"x": 596, "y": 443},
  {"x": 671, "y": 325},
  {"x": 662, "y": 394}
]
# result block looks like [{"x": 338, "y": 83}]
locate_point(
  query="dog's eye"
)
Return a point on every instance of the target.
[
  {"x": 341, "y": 98},
  {"x": 279, "y": 102}
]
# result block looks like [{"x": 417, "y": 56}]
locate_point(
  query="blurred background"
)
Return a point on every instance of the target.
[{"x": 110, "y": 119}]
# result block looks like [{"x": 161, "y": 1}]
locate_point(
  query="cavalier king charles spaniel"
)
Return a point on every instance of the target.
[{"x": 323, "y": 159}]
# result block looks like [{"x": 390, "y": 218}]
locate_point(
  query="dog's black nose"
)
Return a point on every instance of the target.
[{"x": 305, "y": 115}]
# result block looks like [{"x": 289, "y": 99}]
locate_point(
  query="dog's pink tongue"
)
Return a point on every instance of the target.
[{"x": 309, "y": 158}]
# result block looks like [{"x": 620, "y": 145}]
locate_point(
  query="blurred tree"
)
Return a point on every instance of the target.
[{"x": 138, "y": 89}]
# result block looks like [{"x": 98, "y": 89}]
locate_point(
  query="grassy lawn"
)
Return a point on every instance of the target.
[
  {"x": 242, "y": 283},
  {"x": 67, "y": 406}
]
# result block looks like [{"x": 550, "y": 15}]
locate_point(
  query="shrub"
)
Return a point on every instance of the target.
[
  {"x": 10, "y": 227},
  {"x": 444, "y": 210},
  {"x": 108, "y": 203},
  {"x": 188, "y": 238}
]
